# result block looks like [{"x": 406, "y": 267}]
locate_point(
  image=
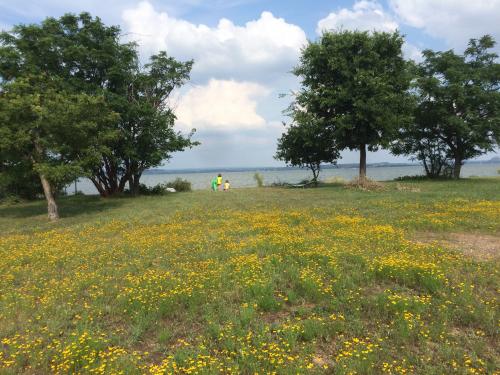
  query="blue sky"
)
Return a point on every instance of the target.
[{"x": 245, "y": 49}]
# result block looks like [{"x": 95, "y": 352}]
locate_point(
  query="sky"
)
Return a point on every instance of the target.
[{"x": 244, "y": 50}]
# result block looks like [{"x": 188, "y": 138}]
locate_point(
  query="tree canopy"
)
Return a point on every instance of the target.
[
  {"x": 356, "y": 83},
  {"x": 307, "y": 143},
  {"x": 458, "y": 108},
  {"x": 34, "y": 115},
  {"x": 146, "y": 134}
]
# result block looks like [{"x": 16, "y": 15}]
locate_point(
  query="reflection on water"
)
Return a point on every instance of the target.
[{"x": 201, "y": 180}]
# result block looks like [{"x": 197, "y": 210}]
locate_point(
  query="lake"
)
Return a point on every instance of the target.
[{"x": 241, "y": 179}]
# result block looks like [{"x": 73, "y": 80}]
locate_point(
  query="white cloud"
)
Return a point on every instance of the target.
[
  {"x": 258, "y": 50},
  {"x": 221, "y": 105},
  {"x": 365, "y": 15},
  {"x": 412, "y": 52},
  {"x": 4, "y": 27},
  {"x": 454, "y": 20}
]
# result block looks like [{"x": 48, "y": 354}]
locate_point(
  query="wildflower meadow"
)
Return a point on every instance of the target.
[{"x": 255, "y": 281}]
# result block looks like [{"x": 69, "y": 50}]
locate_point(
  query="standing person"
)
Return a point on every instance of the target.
[
  {"x": 213, "y": 183},
  {"x": 226, "y": 185},
  {"x": 219, "y": 182}
]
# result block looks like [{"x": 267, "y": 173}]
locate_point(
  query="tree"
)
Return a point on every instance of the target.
[
  {"x": 91, "y": 59},
  {"x": 307, "y": 143},
  {"x": 52, "y": 130},
  {"x": 419, "y": 140},
  {"x": 146, "y": 132},
  {"x": 81, "y": 52},
  {"x": 458, "y": 102},
  {"x": 356, "y": 84}
]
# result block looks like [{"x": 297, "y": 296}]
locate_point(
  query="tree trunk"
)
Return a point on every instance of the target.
[
  {"x": 52, "y": 211},
  {"x": 315, "y": 171},
  {"x": 362, "y": 162},
  {"x": 102, "y": 191},
  {"x": 134, "y": 182},
  {"x": 51, "y": 202},
  {"x": 457, "y": 167}
]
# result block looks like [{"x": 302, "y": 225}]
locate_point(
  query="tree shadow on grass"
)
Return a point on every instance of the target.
[{"x": 68, "y": 207}]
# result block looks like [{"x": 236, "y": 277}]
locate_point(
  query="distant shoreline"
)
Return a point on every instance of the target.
[{"x": 327, "y": 166}]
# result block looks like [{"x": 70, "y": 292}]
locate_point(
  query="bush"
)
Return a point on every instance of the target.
[
  {"x": 418, "y": 177},
  {"x": 179, "y": 185},
  {"x": 422, "y": 178},
  {"x": 259, "y": 179},
  {"x": 161, "y": 189},
  {"x": 280, "y": 184},
  {"x": 158, "y": 189}
]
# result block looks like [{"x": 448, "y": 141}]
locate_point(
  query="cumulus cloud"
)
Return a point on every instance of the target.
[
  {"x": 259, "y": 49},
  {"x": 221, "y": 105},
  {"x": 454, "y": 20},
  {"x": 364, "y": 15}
]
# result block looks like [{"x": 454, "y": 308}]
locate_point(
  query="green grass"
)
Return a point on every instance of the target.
[{"x": 324, "y": 280}]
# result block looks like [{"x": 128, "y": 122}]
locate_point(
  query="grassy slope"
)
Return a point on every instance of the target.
[{"x": 252, "y": 280}]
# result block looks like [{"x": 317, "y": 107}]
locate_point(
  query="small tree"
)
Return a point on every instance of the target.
[
  {"x": 421, "y": 143},
  {"x": 307, "y": 143},
  {"x": 459, "y": 101},
  {"x": 51, "y": 130},
  {"x": 356, "y": 83}
]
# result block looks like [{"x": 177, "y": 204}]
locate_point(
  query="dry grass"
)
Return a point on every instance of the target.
[
  {"x": 481, "y": 247},
  {"x": 408, "y": 188},
  {"x": 365, "y": 184}
]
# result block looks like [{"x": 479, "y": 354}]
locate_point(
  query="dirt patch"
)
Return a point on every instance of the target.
[{"x": 478, "y": 246}]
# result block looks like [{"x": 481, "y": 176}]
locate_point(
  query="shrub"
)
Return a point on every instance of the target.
[
  {"x": 158, "y": 189},
  {"x": 179, "y": 185},
  {"x": 259, "y": 179},
  {"x": 280, "y": 184},
  {"x": 161, "y": 189},
  {"x": 418, "y": 177}
]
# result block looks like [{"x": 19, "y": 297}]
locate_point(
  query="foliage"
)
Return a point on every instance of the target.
[
  {"x": 17, "y": 179},
  {"x": 179, "y": 185},
  {"x": 146, "y": 127},
  {"x": 51, "y": 131},
  {"x": 355, "y": 83},
  {"x": 458, "y": 114},
  {"x": 307, "y": 143},
  {"x": 418, "y": 142},
  {"x": 158, "y": 189},
  {"x": 90, "y": 58},
  {"x": 259, "y": 179},
  {"x": 339, "y": 282}
]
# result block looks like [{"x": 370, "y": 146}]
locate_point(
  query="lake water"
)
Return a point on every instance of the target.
[{"x": 201, "y": 180}]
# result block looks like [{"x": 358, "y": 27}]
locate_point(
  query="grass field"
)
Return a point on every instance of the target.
[{"x": 270, "y": 280}]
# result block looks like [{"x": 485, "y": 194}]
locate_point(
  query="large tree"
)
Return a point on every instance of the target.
[
  {"x": 91, "y": 59},
  {"x": 35, "y": 112},
  {"x": 146, "y": 134},
  {"x": 458, "y": 104},
  {"x": 356, "y": 83}
]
